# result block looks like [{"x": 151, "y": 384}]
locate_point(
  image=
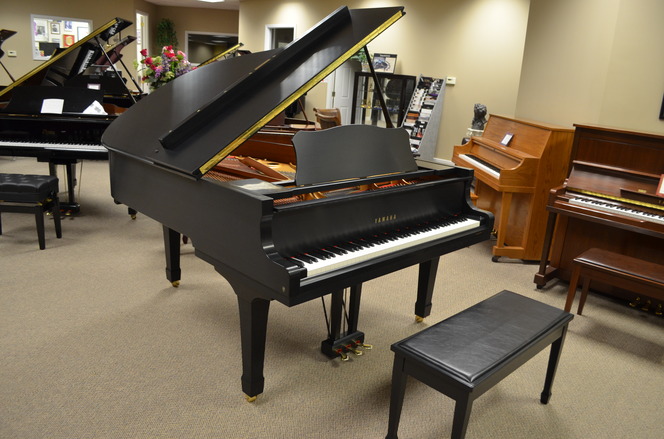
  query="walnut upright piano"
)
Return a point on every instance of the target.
[
  {"x": 513, "y": 177},
  {"x": 608, "y": 202}
]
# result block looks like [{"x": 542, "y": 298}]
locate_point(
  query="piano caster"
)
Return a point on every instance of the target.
[
  {"x": 175, "y": 283},
  {"x": 250, "y": 398},
  {"x": 419, "y": 319},
  {"x": 495, "y": 258}
]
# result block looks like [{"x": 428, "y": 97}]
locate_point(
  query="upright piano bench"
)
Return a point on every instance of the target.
[
  {"x": 470, "y": 352},
  {"x": 637, "y": 275},
  {"x": 34, "y": 194}
]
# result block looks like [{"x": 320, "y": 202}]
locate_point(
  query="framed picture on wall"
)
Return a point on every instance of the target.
[
  {"x": 55, "y": 28},
  {"x": 384, "y": 62}
]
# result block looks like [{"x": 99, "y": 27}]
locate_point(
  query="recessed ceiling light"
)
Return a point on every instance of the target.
[{"x": 211, "y": 1}]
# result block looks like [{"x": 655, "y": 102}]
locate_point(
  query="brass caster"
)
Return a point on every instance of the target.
[
  {"x": 419, "y": 319},
  {"x": 176, "y": 283},
  {"x": 133, "y": 217},
  {"x": 251, "y": 398}
]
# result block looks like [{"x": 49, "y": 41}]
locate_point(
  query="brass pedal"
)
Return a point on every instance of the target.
[
  {"x": 646, "y": 306},
  {"x": 342, "y": 354},
  {"x": 635, "y": 303}
]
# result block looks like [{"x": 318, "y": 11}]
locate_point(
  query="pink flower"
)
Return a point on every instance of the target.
[
  {"x": 144, "y": 52},
  {"x": 149, "y": 60}
]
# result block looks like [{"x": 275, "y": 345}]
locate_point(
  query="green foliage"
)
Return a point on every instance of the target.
[{"x": 166, "y": 35}]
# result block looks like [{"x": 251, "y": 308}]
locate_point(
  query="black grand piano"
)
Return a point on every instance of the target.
[
  {"x": 27, "y": 129},
  {"x": 357, "y": 207}
]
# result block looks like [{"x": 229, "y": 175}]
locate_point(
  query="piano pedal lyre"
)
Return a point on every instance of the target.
[{"x": 636, "y": 302}]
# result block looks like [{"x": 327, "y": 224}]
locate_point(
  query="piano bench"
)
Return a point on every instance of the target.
[
  {"x": 622, "y": 271},
  {"x": 467, "y": 354},
  {"x": 34, "y": 194}
]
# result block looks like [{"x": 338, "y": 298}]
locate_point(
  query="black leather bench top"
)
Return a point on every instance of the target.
[
  {"x": 26, "y": 187},
  {"x": 471, "y": 343}
]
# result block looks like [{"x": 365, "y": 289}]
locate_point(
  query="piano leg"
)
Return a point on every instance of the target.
[
  {"x": 70, "y": 206},
  {"x": 425, "y": 284},
  {"x": 541, "y": 277},
  {"x": 253, "y": 331},
  {"x": 172, "y": 247},
  {"x": 338, "y": 344}
]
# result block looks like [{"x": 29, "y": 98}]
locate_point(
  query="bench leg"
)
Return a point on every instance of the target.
[
  {"x": 554, "y": 357},
  {"x": 396, "y": 397},
  {"x": 462, "y": 410},
  {"x": 584, "y": 294},
  {"x": 55, "y": 211},
  {"x": 573, "y": 283},
  {"x": 39, "y": 219}
]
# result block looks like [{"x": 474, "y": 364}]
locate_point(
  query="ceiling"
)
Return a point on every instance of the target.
[{"x": 227, "y": 4}]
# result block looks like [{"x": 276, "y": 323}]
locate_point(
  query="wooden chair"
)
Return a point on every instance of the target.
[{"x": 328, "y": 117}]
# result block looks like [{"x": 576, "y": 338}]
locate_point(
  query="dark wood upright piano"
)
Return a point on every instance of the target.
[
  {"x": 63, "y": 139},
  {"x": 358, "y": 206},
  {"x": 608, "y": 201}
]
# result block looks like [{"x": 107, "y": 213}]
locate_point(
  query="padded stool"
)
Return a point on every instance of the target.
[
  {"x": 31, "y": 194},
  {"x": 470, "y": 352}
]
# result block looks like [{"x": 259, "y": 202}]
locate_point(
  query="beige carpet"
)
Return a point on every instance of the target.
[{"x": 95, "y": 343}]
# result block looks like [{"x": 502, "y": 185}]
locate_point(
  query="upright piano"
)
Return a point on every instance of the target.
[
  {"x": 608, "y": 201},
  {"x": 516, "y": 162},
  {"x": 63, "y": 139},
  {"x": 357, "y": 207}
]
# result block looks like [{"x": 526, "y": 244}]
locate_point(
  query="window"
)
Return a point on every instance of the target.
[{"x": 278, "y": 35}]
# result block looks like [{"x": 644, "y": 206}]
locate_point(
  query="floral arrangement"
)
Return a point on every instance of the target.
[{"x": 159, "y": 70}]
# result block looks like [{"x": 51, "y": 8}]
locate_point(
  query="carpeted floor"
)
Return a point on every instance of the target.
[{"x": 95, "y": 343}]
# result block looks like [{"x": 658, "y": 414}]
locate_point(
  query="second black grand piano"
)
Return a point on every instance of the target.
[{"x": 358, "y": 207}]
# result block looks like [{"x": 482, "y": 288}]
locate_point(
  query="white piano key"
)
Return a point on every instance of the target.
[
  {"x": 618, "y": 210},
  {"x": 480, "y": 165},
  {"x": 54, "y": 146},
  {"x": 354, "y": 257}
]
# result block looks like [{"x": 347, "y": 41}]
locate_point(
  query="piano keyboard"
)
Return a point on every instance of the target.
[
  {"x": 617, "y": 209},
  {"x": 483, "y": 165},
  {"x": 56, "y": 146},
  {"x": 352, "y": 252}
]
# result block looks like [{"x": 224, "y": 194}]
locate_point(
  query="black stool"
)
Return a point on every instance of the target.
[
  {"x": 470, "y": 352},
  {"x": 31, "y": 194}
]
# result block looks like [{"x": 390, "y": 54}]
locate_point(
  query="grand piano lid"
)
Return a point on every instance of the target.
[
  {"x": 34, "y": 77},
  {"x": 190, "y": 124}
]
